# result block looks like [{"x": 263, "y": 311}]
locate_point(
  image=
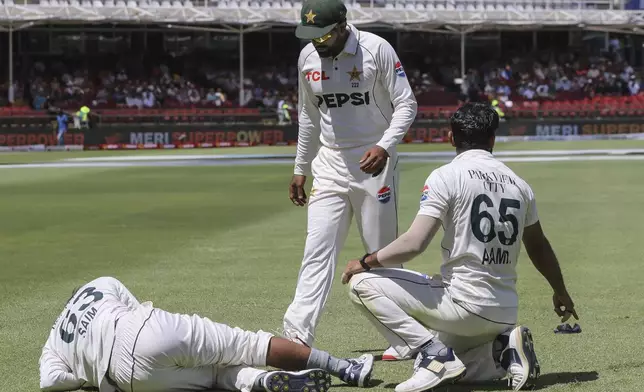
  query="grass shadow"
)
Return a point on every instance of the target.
[{"x": 372, "y": 384}]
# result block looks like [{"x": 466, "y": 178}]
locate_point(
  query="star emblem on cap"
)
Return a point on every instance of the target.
[
  {"x": 354, "y": 74},
  {"x": 310, "y": 17}
]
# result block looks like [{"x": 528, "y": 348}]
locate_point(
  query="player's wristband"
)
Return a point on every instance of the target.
[{"x": 364, "y": 265}]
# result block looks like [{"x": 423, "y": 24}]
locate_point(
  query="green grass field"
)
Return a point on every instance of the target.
[{"x": 225, "y": 242}]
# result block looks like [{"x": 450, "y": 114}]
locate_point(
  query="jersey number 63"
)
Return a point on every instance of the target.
[{"x": 68, "y": 325}]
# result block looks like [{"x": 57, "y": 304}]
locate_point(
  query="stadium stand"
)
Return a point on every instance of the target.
[
  {"x": 525, "y": 87},
  {"x": 556, "y": 81}
]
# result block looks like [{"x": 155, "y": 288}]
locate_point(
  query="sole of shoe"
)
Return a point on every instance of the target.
[
  {"x": 525, "y": 349},
  {"x": 312, "y": 380}
]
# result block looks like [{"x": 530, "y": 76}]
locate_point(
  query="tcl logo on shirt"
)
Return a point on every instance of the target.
[
  {"x": 316, "y": 76},
  {"x": 337, "y": 100}
]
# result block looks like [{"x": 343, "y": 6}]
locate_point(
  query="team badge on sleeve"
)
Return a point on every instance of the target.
[
  {"x": 425, "y": 193},
  {"x": 399, "y": 70},
  {"x": 384, "y": 194}
]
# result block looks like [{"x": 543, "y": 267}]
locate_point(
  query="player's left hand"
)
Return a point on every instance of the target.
[
  {"x": 564, "y": 307},
  {"x": 374, "y": 160},
  {"x": 353, "y": 267}
]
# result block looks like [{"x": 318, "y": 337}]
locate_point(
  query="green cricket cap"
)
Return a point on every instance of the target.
[{"x": 319, "y": 17}]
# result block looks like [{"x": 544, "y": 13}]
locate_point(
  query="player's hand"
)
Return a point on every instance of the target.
[
  {"x": 374, "y": 160},
  {"x": 353, "y": 267},
  {"x": 564, "y": 307},
  {"x": 296, "y": 190}
]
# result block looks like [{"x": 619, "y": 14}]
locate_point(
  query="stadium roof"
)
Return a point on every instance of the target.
[{"x": 422, "y": 15}]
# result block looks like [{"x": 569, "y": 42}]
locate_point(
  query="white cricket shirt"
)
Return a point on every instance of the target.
[
  {"x": 484, "y": 207},
  {"x": 78, "y": 349},
  {"x": 358, "y": 98}
]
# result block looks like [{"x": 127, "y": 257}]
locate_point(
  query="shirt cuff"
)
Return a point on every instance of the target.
[
  {"x": 389, "y": 147},
  {"x": 302, "y": 170},
  {"x": 433, "y": 212}
]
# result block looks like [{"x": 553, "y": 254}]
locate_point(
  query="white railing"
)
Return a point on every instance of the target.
[
  {"x": 470, "y": 5},
  {"x": 464, "y": 5},
  {"x": 421, "y": 15}
]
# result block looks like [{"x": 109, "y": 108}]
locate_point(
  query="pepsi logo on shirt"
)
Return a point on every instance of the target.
[
  {"x": 384, "y": 194},
  {"x": 399, "y": 69},
  {"x": 425, "y": 193}
]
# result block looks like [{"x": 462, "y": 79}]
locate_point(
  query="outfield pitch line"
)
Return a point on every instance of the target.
[
  {"x": 434, "y": 154},
  {"x": 249, "y": 160}
]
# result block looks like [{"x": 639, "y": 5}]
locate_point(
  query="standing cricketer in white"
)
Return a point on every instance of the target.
[
  {"x": 106, "y": 339},
  {"x": 471, "y": 310},
  {"x": 355, "y": 106}
]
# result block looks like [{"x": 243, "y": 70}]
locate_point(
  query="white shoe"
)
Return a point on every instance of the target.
[
  {"x": 359, "y": 373},
  {"x": 391, "y": 354},
  {"x": 520, "y": 360},
  {"x": 431, "y": 371}
]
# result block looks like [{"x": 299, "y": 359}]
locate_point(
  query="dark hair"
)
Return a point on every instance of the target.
[{"x": 473, "y": 125}]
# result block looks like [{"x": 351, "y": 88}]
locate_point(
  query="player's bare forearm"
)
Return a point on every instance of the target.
[
  {"x": 547, "y": 264},
  {"x": 543, "y": 257}
]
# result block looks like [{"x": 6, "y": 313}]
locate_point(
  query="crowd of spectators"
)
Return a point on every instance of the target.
[
  {"x": 201, "y": 84},
  {"x": 564, "y": 77},
  {"x": 161, "y": 88}
]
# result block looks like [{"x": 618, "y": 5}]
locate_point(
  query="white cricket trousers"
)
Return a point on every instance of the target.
[
  {"x": 340, "y": 191},
  {"x": 158, "y": 351},
  {"x": 409, "y": 309}
]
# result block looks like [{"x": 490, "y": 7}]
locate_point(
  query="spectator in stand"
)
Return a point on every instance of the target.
[
  {"x": 563, "y": 84},
  {"x": 216, "y": 97},
  {"x": 506, "y": 73},
  {"x": 134, "y": 99},
  {"x": 193, "y": 95},
  {"x": 634, "y": 85},
  {"x": 284, "y": 111},
  {"x": 149, "y": 100},
  {"x": 39, "y": 98},
  {"x": 61, "y": 120},
  {"x": 528, "y": 91},
  {"x": 543, "y": 90}
]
